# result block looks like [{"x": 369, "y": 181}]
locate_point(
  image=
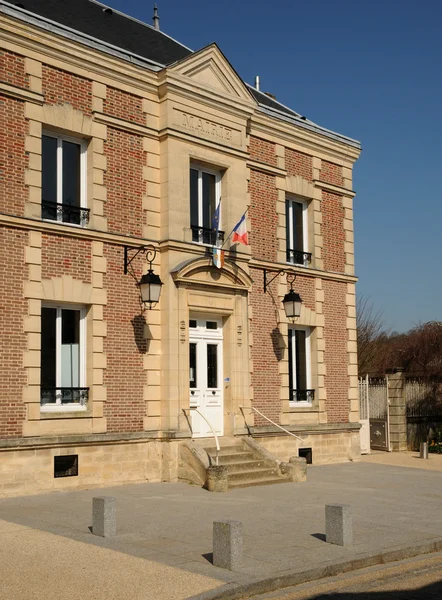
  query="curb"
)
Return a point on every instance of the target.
[{"x": 233, "y": 591}]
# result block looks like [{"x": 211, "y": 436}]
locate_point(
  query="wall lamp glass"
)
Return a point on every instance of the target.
[
  {"x": 292, "y": 301},
  {"x": 150, "y": 283}
]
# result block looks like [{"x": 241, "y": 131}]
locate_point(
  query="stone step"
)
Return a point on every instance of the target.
[
  {"x": 225, "y": 450},
  {"x": 247, "y": 465},
  {"x": 253, "y": 482},
  {"x": 227, "y": 459},
  {"x": 253, "y": 474}
]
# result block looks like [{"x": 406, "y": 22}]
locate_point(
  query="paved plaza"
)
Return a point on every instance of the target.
[{"x": 164, "y": 540}]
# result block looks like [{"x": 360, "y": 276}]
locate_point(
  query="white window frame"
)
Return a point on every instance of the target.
[
  {"x": 308, "y": 366},
  {"x": 58, "y": 406},
  {"x": 290, "y": 234},
  {"x": 217, "y": 175},
  {"x": 59, "y": 166}
]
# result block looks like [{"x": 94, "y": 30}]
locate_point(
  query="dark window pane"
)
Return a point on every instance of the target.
[
  {"x": 298, "y": 233},
  {"x": 301, "y": 363},
  {"x": 48, "y": 354},
  {"x": 49, "y": 173},
  {"x": 212, "y": 365},
  {"x": 211, "y": 325},
  {"x": 194, "y": 222},
  {"x": 288, "y": 241},
  {"x": 70, "y": 327},
  {"x": 192, "y": 365},
  {"x": 71, "y": 174},
  {"x": 192, "y": 323},
  {"x": 291, "y": 378},
  {"x": 209, "y": 199}
]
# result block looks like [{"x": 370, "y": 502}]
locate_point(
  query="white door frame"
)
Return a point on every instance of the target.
[{"x": 208, "y": 400}]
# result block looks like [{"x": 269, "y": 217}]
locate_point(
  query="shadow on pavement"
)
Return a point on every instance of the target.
[{"x": 428, "y": 592}]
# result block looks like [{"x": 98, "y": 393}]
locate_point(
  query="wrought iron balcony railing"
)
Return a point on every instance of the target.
[
  {"x": 65, "y": 213},
  {"x": 303, "y": 396},
  {"x": 297, "y": 257},
  {"x": 206, "y": 235},
  {"x": 64, "y": 395}
]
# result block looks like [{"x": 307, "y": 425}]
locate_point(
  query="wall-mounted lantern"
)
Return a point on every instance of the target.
[
  {"x": 292, "y": 301},
  {"x": 150, "y": 283}
]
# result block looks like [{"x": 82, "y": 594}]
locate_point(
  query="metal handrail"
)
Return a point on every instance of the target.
[
  {"x": 273, "y": 422},
  {"x": 214, "y": 434}
]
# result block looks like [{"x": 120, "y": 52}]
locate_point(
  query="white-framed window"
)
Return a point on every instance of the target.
[
  {"x": 205, "y": 209},
  {"x": 299, "y": 354},
  {"x": 296, "y": 211},
  {"x": 63, "y": 358},
  {"x": 64, "y": 179}
]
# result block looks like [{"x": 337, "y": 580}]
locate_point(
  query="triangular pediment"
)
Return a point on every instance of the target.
[{"x": 210, "y": 68}]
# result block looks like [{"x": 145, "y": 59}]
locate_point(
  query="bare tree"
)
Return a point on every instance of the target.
[{"x": 372, "y": 336}]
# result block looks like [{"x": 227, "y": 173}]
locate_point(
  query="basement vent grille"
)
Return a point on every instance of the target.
[
  {"x": 307, "y": 454},
  {"x": 66, "y": 466}
]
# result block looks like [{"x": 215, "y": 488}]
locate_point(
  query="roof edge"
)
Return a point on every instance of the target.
[
  {"x": 74, "y": 34},
  {"x": 141, "y": 23}
]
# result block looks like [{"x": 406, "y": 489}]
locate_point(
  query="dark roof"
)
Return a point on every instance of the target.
[
  {"x": 88, "y": 17},
  {"x": 265, "y": 100}
]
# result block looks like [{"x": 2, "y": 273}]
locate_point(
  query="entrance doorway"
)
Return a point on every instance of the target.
[{"x": 206, "y": 375}]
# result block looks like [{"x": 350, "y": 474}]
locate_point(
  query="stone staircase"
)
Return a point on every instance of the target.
[{"x": 246, "y": 466}]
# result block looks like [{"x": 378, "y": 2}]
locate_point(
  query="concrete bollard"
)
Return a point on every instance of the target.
[
  {"x": 424, "y": 450},
  {"x": 104, "y": 521},
  {"x": 217, "y": 479},
  {"x": 227, "y": 544},
  {"x": 338, "y": 524}
]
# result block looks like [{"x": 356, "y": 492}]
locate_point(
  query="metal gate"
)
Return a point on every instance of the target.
[
  {"x": 373, "y": 399},
  {"x": 364, "y": 416}
]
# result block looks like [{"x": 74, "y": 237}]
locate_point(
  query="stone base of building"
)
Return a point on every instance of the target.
[
  {"x": 331, "y": 445},
  {"x": 31, "y": 466}
]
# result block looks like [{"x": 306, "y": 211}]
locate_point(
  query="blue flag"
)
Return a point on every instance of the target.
[{"x": 215, "y": 218}]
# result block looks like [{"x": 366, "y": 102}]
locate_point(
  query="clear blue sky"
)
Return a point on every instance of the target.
[{"x": 372, "y": 70}]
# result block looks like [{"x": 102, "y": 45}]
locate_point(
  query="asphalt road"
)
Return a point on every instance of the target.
[{"x": 412, "y": 579}]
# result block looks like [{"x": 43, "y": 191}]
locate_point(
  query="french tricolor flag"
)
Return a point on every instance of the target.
[{"x": 240, "y": 232}]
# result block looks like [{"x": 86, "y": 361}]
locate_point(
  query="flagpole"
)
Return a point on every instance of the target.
[{"x": 230, "y": 234}]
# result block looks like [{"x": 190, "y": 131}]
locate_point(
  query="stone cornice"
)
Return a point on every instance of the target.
[
  {"x": 265, "y": 168},
  {"x": 69, "y": 231},
  {"x": 124, "y": 125},
  {"x": 320, "y": 145},
  {"x": 335, "y": 189},
  {"x": 20, "y": 93},
  {"x": 301, "y": 271}
]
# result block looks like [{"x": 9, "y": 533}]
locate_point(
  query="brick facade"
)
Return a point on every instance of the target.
[
  {"x": 297, "y": 163},
  {"x": 13, "y": 308},
  {"x": 124, "y": 346},
  {"x": 262, "y": 151},
  {"x": 336, "y": 336},
  {"x": 124, "y": 182},
  {"x": 61, "y": 86},
  {"x": 12, "y": 69},
  {"x": 333, "y": 232},
  {"x": 124, "y": 106},
  {"x": 331, "y": 173},
  {"x": 13, "y": 157},
  {"x": 262, "y": 214},
  {"x": 62, "y": 255}
]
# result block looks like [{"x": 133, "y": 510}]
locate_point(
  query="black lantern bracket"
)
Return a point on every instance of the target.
[
  {"x": 130, "y": 254},
  {"x": 150, "y": 283},
  {"x": 289, "y": 274}
]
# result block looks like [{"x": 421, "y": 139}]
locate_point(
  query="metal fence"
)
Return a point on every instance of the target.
[{"x": 423, "y": 398}]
